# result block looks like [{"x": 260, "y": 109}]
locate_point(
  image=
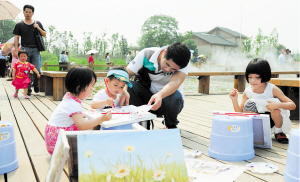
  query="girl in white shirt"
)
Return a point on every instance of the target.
[
  {"x": 115, "y": 80},
  {"x": 258, "y": 73},
  {"x": 68, "y": 114}
]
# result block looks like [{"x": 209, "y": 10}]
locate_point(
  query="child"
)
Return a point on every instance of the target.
[
  {"x": 68, "y": 114},
  {"x": 21, "y": 72},
  {"x": 115, "y": 80},
  {"x": 258, "y": 73}
]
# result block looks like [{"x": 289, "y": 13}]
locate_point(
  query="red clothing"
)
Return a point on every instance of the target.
[
  {"x": 23, "y": 69},
  {"x": 91, "y": 59},
  {"x": 22, "y": 74}
]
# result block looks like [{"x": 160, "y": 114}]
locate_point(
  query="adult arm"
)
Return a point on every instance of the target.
[
  {"x": 36, "y": 25},
  {"x": 16, "y": 43},
  {"x": 176, "y": 80}
]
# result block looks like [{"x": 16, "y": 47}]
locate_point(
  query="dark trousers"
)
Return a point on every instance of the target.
[
  {"x": 2, "y": 67},
  {"x": 170, "y": 108},
  {"x": 62, "y": 68}
]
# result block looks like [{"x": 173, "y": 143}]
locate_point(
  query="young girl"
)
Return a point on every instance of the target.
[
  {"x": 68, "y": 114},
  {"x": 115, "y": 80},
  {"x": 21, "y": 72},
  {"x": 258, "y": 73}
]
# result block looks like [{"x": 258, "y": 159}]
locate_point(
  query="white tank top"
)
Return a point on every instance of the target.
[{"x": 268, "y": 92}]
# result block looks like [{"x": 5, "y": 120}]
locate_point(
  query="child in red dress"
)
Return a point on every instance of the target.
[{"x": 21, "y": 72}]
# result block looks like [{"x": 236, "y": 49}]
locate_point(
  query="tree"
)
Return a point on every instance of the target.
[
  {"x": 50, "y": 36},
  {"x": 123, "y": 45},
  {"x": 87, "y": 42},
  {"x": 113, "y": 41},
  {"x": 190, "y": 42},
  {"x": 158, "y": 30},
  {"x": 6, "y": 30},
  {"x": 247, "y": 44}
]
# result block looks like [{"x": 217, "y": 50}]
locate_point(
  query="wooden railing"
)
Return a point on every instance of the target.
[{"x": 68, "y": 66}]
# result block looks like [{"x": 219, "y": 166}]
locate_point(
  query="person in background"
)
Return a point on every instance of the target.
[
  {"x": 269, "y": 56},
  {"x": 3, "y": 60},
  {"x": 108, "y": 63},
  {"x": 128, "y": 58},
  {"x": 289, "y": 58},
  {"x": 282, "y": 57},
  {"x": 91, "y": 60},
  {"x": 13, "y": 61},
  {"x": 25, "y": 29},
  {"x": 67, "y": 56},
  {"x": 62, "y": 61}
]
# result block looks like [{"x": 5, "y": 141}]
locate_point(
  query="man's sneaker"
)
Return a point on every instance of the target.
[
  {"x": 281, "y": 138},
  {"x": 16, "y": 95},
  {"x": 36, "y": 89},
  {"x": 26, "y": 97},
  {"x": 29, "y": 93}
]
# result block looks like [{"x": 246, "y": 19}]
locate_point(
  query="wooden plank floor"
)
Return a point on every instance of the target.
[{"x": 30, "y": 118}]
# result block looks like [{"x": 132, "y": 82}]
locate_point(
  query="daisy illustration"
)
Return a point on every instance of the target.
[
  {"x": 159, "y": 175},
  {"x": 108, "y": 178},
  {"x": 122, "y": 171},
  {"x": 88, "y": 154},
  {"x": 129, "y": 149}
]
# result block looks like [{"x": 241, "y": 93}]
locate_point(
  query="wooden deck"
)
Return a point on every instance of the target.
[{"x": 30, "y": 118}]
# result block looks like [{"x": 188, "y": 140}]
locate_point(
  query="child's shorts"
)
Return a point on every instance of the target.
[{"x": 51, "y": 134}]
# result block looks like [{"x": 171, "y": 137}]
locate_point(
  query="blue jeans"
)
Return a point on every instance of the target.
[
  {"x": 170, "y": 108},
  {"x": 34, "y": 57}
]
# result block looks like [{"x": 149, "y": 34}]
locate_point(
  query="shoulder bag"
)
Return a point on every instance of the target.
[{"x": 39, "y": 40}]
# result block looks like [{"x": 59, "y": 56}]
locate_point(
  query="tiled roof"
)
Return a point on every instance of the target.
[
  {"x": 234, "y": 33},
  {"x": 214, "y": 39}
]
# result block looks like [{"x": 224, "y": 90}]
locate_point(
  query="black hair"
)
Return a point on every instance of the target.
[
  {"x": 129, "y": 52},
  {"x": 62, "y": 52},
  {"x": 67, "y": 52},
  {"x": 78, "y": 78},
  {"x": 179, "y": 53},
  {"x": 111, "y": 77},
  {"x": 92, "y": 54},
  {"x": 22, "y": 52},
  {"x": 260, "y": 67},
  {"x": 29, "y": 7},
  {"x": 106, "y": 55}
]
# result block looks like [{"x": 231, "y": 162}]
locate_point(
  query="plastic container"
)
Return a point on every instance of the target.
[
  {"x": 8, "y": 154},
  {"x": 231, "y": 138},
  {"x": 291, "y": 171}
]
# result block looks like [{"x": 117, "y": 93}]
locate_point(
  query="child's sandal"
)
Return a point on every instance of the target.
[
  {"x": 15, "y": 95},
  {"x": 281, "y": 138},
  {"x": 26, "y": 97}
]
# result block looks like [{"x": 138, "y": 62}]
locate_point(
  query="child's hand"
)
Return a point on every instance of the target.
[
  {"x": 272, "y": 106},
  {"x": 107, "y": 116},
  {"x": 234, "y": 94},
  {"x": 109, "y": 102}
]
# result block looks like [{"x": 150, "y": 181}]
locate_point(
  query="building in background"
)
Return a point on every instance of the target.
[{"x": 218, "y": 38}]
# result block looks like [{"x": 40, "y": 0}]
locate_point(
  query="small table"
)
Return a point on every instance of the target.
[{"x": 290, "y": 87}]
